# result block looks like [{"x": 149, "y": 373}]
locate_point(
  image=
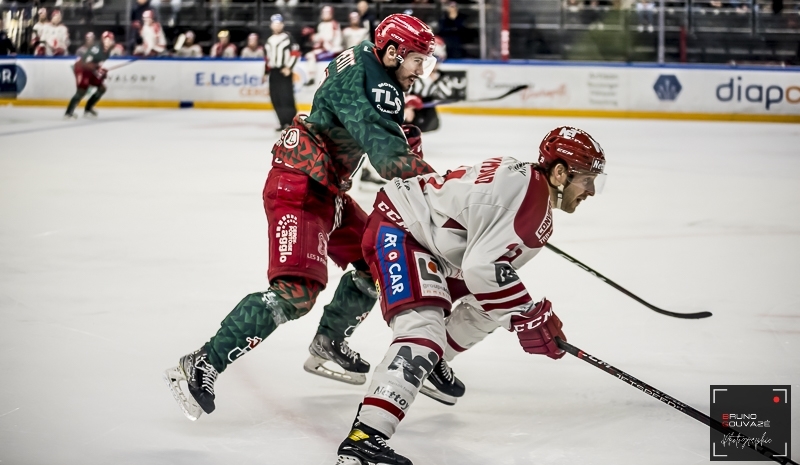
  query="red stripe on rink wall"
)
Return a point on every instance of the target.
[
  {"x": 421, "y": 342},
  {"x": 385, "y": 405}
]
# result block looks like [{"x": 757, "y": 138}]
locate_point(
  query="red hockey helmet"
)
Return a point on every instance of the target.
[
  {"x": 409, "y": 33},
  {"x": 575, "y": 148}
]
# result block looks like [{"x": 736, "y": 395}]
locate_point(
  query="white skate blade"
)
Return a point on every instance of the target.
[
  {"x": 188, "y": 405},
  {"x": 347, "y": 460},
  {"x": 316, "y": 365},
  {"x": 437, "y": 395}
]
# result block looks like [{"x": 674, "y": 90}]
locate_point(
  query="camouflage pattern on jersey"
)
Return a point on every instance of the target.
[
  {"x": 358, "y": 109},
  {"x": 95, "y": 54}
]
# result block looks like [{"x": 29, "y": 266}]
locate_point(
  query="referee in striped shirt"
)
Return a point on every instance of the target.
[{"x": 282, "y": 54}]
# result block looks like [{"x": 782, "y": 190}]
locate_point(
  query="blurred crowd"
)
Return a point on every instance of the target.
[{"x": 149, "y": 37}]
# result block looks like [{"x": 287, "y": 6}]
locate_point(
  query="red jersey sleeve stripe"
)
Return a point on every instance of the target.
[
  {"x": 515, "y": 289},
  {"x": 385, "y": 405},
  {"x": 510, "y": 304}
]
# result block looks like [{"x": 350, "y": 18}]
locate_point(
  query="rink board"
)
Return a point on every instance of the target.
[{"x": 553, "y": 88}]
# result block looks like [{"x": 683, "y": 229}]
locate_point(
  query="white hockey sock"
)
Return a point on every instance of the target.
[
  {"x": 466, "y": 326},
  {"x": 417, "y": 346}
]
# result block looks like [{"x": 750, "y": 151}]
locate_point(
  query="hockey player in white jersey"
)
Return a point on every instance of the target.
[{"x": 432, "y": 240}]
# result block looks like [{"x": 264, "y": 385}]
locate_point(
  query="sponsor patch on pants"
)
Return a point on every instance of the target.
[
  {"x": 432, "y": 281},
  {"x": 394, "y": 265}
]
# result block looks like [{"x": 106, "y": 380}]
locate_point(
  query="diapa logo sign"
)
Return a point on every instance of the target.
[
  {"x": 736, "y": 89},
  {"x": 394, "y": 265},
  {"x": 12, "y": 79},
  {"x": 667, "y": 87},
  {"x": 248, "y": 84}
]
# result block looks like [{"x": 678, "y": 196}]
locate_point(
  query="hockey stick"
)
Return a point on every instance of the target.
[
  {"x": 133, "y": 60},
  {"x": 692, "y": 316},
  {"x": 671, "y": 401},
  {"x": 513, "y": 90}
]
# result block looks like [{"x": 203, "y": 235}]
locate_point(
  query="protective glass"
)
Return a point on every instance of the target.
[
  {"x": 419, "y": 64},
  {"x": 590, "y": 182}
]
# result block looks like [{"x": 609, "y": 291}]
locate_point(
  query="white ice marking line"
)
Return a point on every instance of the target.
[
  {"x": 48, "y": 233},
  {"x": 8, "y": 413},
  {"x": 785, "y": 393},
  {"x": 714, "y": 397}
]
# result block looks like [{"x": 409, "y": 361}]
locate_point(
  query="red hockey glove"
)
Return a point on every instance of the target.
[
  {"x": 414, "y": 137},
  {"x": 537, "y": 329}
]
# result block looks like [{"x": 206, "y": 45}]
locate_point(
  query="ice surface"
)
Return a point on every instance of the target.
[{"x": 124, "y": 241}]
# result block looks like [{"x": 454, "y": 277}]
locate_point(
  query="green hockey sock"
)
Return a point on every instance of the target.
[{"x": 350, "y": 305}]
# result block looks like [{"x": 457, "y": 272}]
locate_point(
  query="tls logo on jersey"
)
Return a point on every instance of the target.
[
  {"x": 505, "y": 274},
  {"x": 393, "y": 263},
  {"x": 387, "y": 99}
]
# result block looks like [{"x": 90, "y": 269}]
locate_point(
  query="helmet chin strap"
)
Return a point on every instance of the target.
[{"x": 559, "y": 196}]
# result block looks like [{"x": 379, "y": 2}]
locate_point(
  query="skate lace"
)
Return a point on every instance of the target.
[
  {"x": 381, "y": 442},
  {"x": 446, "y": 371},
  {"x": 348, "y": 352},
  {"x": 209, "y": 376}
]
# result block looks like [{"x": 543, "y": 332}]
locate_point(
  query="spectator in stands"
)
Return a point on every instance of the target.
[
  {"x": 355, "y": 33},
  {"x": 6, "y": 45},
  {"x": 224, "y": 48},
  {"x": 88, "y": 42},
  {"x": 253, "y": 48},
  {"x": 154, "y": 43},
  {"x": 41, "y": 21},
  {"x": 176, "y": 8},
  {"x": 138, "y": 12},
  {"x": 114, "y": 49},
  {"x": 186, "y": 48},
  {"x": 55, "y": 36},
  {"x": 367, "y": 16},
  {"x": 452, "y": 30},
  {"x": 327, "y": 41},
  {"x": 645, "y": 11}
]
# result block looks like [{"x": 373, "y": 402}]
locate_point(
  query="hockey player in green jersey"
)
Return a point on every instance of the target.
[
  {"x": 357, "y": 109},
  {"x": 89, "y": 72}
]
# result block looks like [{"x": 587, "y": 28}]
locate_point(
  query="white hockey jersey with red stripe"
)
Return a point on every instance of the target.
[{"x": 483, "y": 222}]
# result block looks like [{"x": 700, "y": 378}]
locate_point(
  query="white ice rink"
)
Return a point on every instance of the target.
[{"x": 125, "y": 241}]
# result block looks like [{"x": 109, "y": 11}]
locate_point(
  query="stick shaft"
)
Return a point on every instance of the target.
[
  {"x": 623, "y": 290},
  {"x": 669, "y": 400}
]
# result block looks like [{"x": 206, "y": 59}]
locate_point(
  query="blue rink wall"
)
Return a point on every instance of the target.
[{"x": 691, "y": 92}]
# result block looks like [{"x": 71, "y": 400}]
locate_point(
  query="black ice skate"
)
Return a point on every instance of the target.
[
  {"x": 200, "y": 376},
  {"x": 89, "y": 113},
  {"x": 370, "y": 182},
  {"x": 365, "y": 446},
  {"x": 325, "y": 352},
  {"x": 70, "y": 116},
  {"x": 442, "y": 384}
]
